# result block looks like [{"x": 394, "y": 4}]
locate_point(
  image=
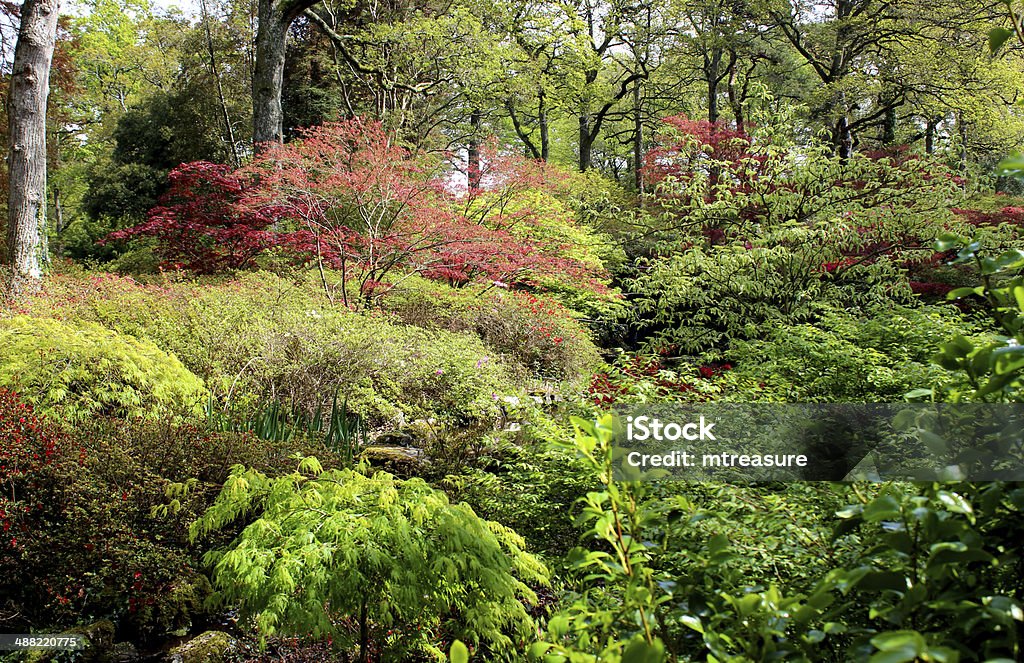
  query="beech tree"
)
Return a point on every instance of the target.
[{"x": 26, "y": 229}]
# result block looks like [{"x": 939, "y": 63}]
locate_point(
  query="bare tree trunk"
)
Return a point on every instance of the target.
[
  {"x": 26, "y": 229},
  {"x": 586, "y": 142},
  {"x": 58, "y": 225},
  {"x": 929, "y": 136},
  {"x": 712, "y": 72},
  {"x": 542, "y": 120},
  {"x": 275, "y": 16},
  {"x": 638, "y": 139}
]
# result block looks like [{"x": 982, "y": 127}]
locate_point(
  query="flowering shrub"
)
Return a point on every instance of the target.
[
  {"x": 262, "y": 338},
  {"x": 28, "y": 445},
  {"x": 81, "y": 539},
  {"x": 530, "y": 330}
]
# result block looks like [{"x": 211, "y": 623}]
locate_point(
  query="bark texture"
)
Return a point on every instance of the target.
[
  {"x": 26, "y": 220},
  {"x": 275, "y": 17}
]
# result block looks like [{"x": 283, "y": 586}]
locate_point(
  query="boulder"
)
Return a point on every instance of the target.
[{"x": 207, "y": 647}]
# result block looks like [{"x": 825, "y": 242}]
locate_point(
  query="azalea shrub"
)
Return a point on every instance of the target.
[
  {"x": 263, "y": 338},
  {"x": 94, "y": 489},
  {"x": 531, "y": 330}
]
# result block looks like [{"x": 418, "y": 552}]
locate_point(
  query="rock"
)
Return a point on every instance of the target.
[
  {"x": 99, "y": 638},
  {"x": 100, "y": 634},
  {"x": 393, "y": 454},
  {"x": 208, "y": 647},
  {"x": 123, "y": 652}
]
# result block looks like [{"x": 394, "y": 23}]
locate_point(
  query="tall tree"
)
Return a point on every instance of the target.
[
  {"x": 275, "y": 17},
  {"x": 30, "y": 74}
]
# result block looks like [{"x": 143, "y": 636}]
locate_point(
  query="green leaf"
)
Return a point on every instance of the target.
[
  {"x": 692, "y": 622},
  {"x": 640, "y": 651},
  {"x": 458, "y": 653},
  {"x": 997, "y": 37},
  {"x": 1011, "y": 166},
  {"x": 955, "y": 502},
  {"x": 885, "y": 507},
  {"x": 897, "y": 647}
]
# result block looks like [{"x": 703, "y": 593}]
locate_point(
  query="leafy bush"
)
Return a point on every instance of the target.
[
  {"x": 94, "y": 491},
  {"x": 80, "y": 369},
  {"x": 702, "y": 300},
  {"x": 909, "y": 572},
  {"x": 878, "y": 356},
  {"x": 338, "y": 553},
  {"x": 262, "y": 338},
  {"x": 529, "y": 330}
]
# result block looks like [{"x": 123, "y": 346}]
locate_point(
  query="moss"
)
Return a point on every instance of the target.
[{"x": 208, "y": 647}]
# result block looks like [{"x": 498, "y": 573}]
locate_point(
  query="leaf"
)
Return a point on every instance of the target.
[
  {"x": 885, "y": 507},
  {"x": 997, "y": 37},
  {"x": 897, "y": 647},
  {"x": 458, "y": 653},
  {"x": 1011, "y": 166},
  {"x": 955, "y": 502},
  {"x": 640, "y": 651},
  {"x": 692, "y": 622}
]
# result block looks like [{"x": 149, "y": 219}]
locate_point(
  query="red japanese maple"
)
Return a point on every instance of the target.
[
  {"x": 349, "y": 200},
  {"x": 200, "y": 223}
]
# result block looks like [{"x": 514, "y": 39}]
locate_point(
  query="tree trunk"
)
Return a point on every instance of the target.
[
  {"x": 638, "y": 140},
  {"x": 29, "y": 88},
  {"x": 473, "y": 151},
  {"x": 271, "y": 42},
  {"x": 275, "y": 16},
  {"x": 712, "y": 68},
  {"x": 889, "y": 126},
  {"x": 586, "y": 142},
  {"x": 542, "y": 120},
  {"x": 929, "y": 136},
  {"x": 842, "y": 139},
  {"x": 58, "y": 225},
  {"x": 229, "y": 132},
  {"x": 961, "y": 125}
]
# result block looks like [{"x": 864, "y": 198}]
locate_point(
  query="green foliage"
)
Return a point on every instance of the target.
[
  {"x": 615, "y": 617},
  {"x": 530, "y": 486},
  {"x": 994, "y": 369},
  {"x": 702, "y": 300},
  {"x": 529, "y": 330},
  {"x": 388, "y": 554},
  {"x": 876, "y": 356},
  {"x": 335, "y": 428},
  {"x": 106, "y": 533},
  {"x": 263, "y": 338},
  {"x": 911, "y": 572},
  {"x": 79, "y": 369},
  {"x": 933, "y": 581}
]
